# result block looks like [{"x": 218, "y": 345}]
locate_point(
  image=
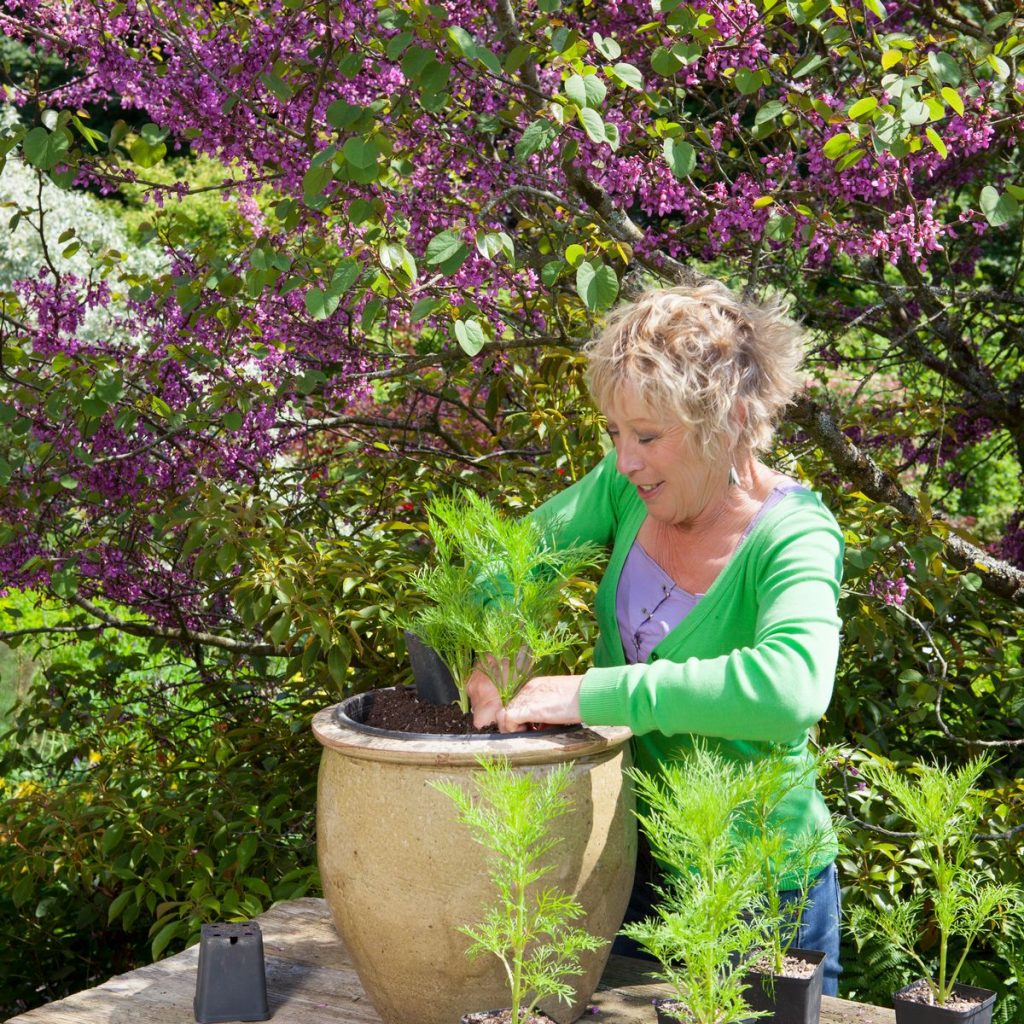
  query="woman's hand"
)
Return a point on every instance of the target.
[
  {"x": 483, "y": 697},
  {"x": 544, "y": 700}
]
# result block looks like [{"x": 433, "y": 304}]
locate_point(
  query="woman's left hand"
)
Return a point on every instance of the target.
[{"x": 544, "y": 700}]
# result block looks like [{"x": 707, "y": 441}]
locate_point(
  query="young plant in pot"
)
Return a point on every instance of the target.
[
  {"x": 529, "y": 927},
  {"x": 785, "y": 983},
  {"x": 399, "y": 873},
  {"x": 493, "y": 591},
  {"x": 709, "y": 928},
  {"x": 951, "y": 900}
]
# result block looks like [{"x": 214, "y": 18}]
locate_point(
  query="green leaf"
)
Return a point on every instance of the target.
[
  {"x": 597, "y": 285},
  {"x": 164, "y": 936},
  {"x": 681, "y": 157},
  {"x": 395, "y": 256},
  {"x": 574, "y": 253},
  {"x": 876, "y": 8},
  {"x": 45, "y": 149},
  {"x": 810, "y": 63},
  {"x": 538, "y": 136},
  {"x": 998, "y": 209},
  {"x": 111, "y": 839},
  {"x": 447, "y": 251},
  {"x": 664, "y": 62},
  {"x": 629, "y": 76},
  {"x": 319, "y": 305},
  {"x": 423, "y": 308},
  {"x": 490, "y": 243},
  {"x": 607, "y": 47},
  {"x": 952, "y": 97},
  {"x": 470, "y": 336},
  {"x": 998, "y": 65},
  {"x": 780, "y": 228},
  {"x": 232, "y": 421},
  {"x": 593, "y": 124},
  {"x": 848, "y": 159},
  {"x": 594, "y": 90},
  {"x": 862, "y": 107},
  {"x": 341, "y": 114},
  {"x": 549, "y": 274},
  {"x": 576, "y": 91},
  {"x": 749, "y": 81},
  {"x": 118, "y": 904},
  {"x": 771, "y": 110},
  {"x": 837, "y": 145},
  {"x": 936, "y": 140},
  {"x": 314, "y": 181},
  {"x": 345, "y": 275},
  {"x": 944, "y": 67}
]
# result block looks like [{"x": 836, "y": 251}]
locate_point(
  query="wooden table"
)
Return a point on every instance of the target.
[{"x": 310, "y": 980}]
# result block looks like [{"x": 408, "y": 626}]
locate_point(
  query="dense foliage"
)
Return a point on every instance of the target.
[{"x": 316, "y": 262}]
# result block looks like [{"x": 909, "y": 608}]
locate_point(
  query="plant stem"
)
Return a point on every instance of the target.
[{"x": 941, "y": 881}]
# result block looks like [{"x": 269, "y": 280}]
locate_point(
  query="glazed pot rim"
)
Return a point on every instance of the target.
[{"x": 335, "y": 730}]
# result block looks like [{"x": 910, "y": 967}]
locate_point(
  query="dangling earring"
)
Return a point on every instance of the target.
[{"x": 734, "y": 477}]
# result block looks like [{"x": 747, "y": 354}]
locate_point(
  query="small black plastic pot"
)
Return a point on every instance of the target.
[
  {"x": 434, "y": 683},
  {"x": 231, "y": 980},
  {"x": 788, "y": 1000},
  {"x": 909, "y": 1011}
]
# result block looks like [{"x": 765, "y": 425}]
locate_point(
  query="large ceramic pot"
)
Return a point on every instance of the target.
[{"x": 401, "y": 874}]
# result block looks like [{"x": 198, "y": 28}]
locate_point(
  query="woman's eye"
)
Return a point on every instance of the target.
[{"x": 647, "y": 440}]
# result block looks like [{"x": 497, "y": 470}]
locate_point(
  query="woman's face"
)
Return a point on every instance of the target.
[{"x": 655, "y": 453}]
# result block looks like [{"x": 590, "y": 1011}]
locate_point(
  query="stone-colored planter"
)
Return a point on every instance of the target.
[{"x": 400, "y": 874}]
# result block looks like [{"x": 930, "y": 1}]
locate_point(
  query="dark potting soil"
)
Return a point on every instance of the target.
[
  {"x": 400, "y": 710},
  {"x": 919, "y": 992}
]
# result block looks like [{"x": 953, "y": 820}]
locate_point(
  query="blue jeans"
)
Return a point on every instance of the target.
[{"x": 819, "y": 926}]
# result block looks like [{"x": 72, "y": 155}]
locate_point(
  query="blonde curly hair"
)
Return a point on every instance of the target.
[{"x": 691, "y": 352}]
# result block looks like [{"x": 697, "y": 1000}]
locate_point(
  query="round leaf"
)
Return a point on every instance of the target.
[
  {"x": 681, "y": 157},
  {"x": 597, "y": 285}
]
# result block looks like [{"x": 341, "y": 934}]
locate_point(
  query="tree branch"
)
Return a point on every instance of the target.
[
  {"x": 145, "y": 629},
  {"x": 997, "y": 576}
]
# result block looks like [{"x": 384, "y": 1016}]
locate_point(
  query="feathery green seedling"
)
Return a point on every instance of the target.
[
  {"x": 493, "y": 592},
  {"x": 529, "y": 927},
  {"x": 944, "y": 809},
  {"x": 710, "y": 923}
]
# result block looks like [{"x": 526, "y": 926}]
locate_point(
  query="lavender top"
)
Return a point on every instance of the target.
[{"x": 649, "y": 604}]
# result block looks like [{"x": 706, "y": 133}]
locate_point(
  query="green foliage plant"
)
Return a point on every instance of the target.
[
  {"x": 529, "y": 927},
  {"x": 710, "y": 923},
  {"x": 493, "y": 592},
  {"x": 785, "y": 861},
  {"x": 945, "y": 808}
]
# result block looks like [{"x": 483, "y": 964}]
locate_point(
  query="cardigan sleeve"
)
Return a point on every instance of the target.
[
  {"x": 771, "y": 690},
  {"x": 588, "y": 511}
]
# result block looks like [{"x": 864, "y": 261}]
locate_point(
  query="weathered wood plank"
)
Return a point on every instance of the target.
[{"x": 310, "y": 980}]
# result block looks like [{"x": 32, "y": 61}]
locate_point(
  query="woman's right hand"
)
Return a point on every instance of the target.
[{"x": 483, "y": 697}]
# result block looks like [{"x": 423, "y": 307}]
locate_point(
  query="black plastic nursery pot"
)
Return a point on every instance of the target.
[
  {"x": 788, "y": 1000},
  {"x": 910, "y": 1011},
  {"x": 231, "y": 980}
]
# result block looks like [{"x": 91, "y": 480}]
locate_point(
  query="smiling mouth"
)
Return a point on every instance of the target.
[{"x": 647, "y": 489}]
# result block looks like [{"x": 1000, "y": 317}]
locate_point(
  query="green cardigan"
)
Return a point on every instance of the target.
[{"x": 751, "y": 667}]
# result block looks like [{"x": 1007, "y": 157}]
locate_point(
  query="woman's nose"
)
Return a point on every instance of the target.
[{"x": 627, "y": 458}]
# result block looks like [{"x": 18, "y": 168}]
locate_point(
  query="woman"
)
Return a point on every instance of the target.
[{"x": 717, "y": 610}]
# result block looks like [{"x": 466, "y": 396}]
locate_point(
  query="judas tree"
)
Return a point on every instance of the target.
[{"x": 437, "y": 203}]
